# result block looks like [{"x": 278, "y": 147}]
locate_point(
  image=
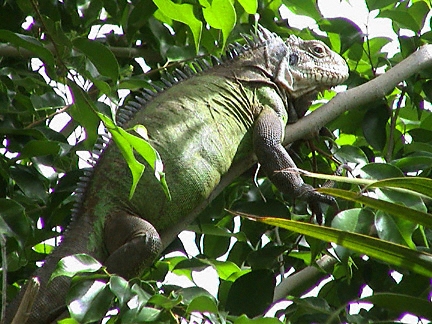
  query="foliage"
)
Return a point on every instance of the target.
[{"x": 67, "y": 66}]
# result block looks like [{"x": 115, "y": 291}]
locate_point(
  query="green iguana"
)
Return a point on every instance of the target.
[{"x": 202, "y": 124}]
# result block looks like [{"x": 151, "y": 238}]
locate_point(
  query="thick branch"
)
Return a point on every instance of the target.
[
  {"x": 149, "y": 55},
  {"x": 300, "y": 282}
]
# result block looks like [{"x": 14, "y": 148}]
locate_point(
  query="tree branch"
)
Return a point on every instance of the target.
[
  {"x": 149, "y": 55},
  {"x": 300, "y": 282}
]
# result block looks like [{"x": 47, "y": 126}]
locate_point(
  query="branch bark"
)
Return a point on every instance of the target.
[
  {"x": 298, "y": 283},
  {"x": 149, "y": 55}
]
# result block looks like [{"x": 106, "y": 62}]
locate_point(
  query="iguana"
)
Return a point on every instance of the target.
[{"x": 202, "y": 123}]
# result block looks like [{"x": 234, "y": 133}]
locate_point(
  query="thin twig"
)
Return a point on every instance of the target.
[{"x": 4, "y": 277}]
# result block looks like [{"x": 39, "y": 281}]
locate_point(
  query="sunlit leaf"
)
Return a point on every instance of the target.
[
  {"x": 74, "y": 264},
  {"x": 391, "y": 253}
]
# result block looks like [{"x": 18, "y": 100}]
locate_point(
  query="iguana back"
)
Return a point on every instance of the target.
[{"x": 201, "y": 126}]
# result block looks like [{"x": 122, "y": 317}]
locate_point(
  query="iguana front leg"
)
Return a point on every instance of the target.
[
  {"x": 132, "y": 243},
  {"x": 267, "y": 137}
]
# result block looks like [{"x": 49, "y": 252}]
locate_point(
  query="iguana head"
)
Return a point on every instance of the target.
[
  {"x": 309, "y": 66},
  {"x": 298, "y": 66}
]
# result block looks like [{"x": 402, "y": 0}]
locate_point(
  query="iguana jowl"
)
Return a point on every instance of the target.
[{"x": 201, "y": 126}]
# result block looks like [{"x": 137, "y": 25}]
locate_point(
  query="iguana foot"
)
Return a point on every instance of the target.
[
  {"x": 314, "y": 198},
  {"x": 132, "y": 243}
]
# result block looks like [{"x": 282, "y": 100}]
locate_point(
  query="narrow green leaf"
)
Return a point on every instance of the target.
[
  {"x": 83, "y": 111},
  {"x": 77, "y": 263},
  {"x": 183, "y": 13},
  {"x": 401, "y": 303},
  {"x": 391, "y": 253},
  {"x": 391, "y": 208},
  {"x": 416, "y": 184},
  {"x": 101, "y": 57}
]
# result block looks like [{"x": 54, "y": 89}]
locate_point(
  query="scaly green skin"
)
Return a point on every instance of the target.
[{"x": 200, "y": 127}]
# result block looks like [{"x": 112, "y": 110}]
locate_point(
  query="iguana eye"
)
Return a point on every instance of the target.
[
  {"x": 318, "y": 49},
  {"x": 293, "y": 59}
]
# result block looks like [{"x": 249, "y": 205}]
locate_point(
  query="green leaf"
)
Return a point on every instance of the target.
[
  {"x": 143, "y": 296},
  {"x": 189, "y": 294},
  {"x": 13, "y": 221},
  {"x": 348, "y": 32},
  {"x": 141, "y": 315},
  {"x": 42, "y": 147},
  {"x": 302, "y": 7},
  {"x": 250, "y": 6},
  {"x": 349, "y": 153},
  {"x": 120, "y": 288},
  {"x": 391, "y": 253},
  {"x": 183, "y": 13},
  {"x": 416, "y": 184},
  {"x": 401, "y": 304},
  {"x": 411, "y": 16},
  {"x": 391, "y": 208},
  {"x": 127, "y": 143},
  {"x": 220, "y": 14},
  {"x": 374, "y": 126},
  {"x": 381, "y": 171},
  {"x": 245, "y": 298},
  {"x": 29, "y": 182},
  {"x": 378, "y": 4},
  {"x": 358, "y": 220},
  {"x": 165, "y": 302},
  {"x": 202, "y": 304},
  {"x": 29, "y": 43},
  {"x": 78, "y": 263},
  {"x": 395, "y": 230},
  {"x": 89, "y": 300},
  {"x": 225, "y": 270},
  {"x": 243, "y": 319},
  {"x": 48, "y": 100},
  {"x": 84, "y": 112},
  {"x": 215, "y": 246},
  {"x": 101, "y": 57}
]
